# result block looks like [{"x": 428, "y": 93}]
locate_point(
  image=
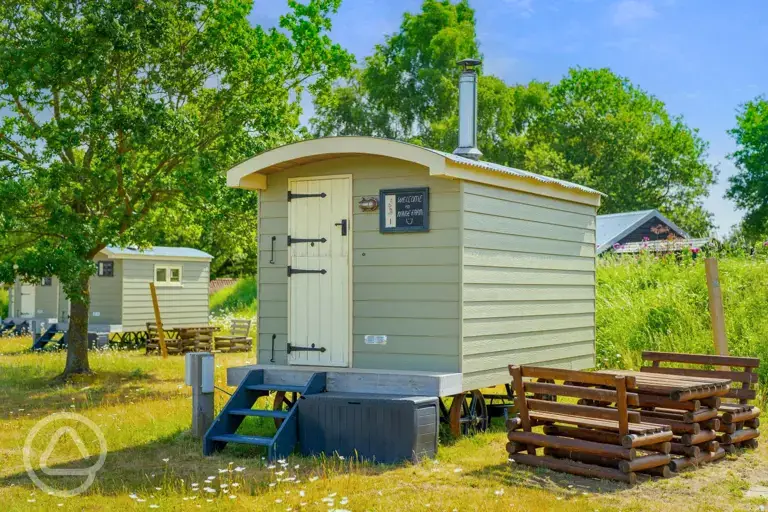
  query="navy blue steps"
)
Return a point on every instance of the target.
[
  {"x": 45, "y": 338},
  {"x": 6, "y": 327},
  {"x": 240, "y": 406}
]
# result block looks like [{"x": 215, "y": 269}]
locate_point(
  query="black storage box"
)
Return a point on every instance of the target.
[{"x": 382, "y": 428}]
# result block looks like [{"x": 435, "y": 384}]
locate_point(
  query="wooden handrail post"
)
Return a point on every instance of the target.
[
  {"x": 158, "y": 321},
  {"x": 716, "y": 313},
  {"x": 522, "y": 405}
]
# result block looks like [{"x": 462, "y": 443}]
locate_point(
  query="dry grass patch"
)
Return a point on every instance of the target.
[{"x": 143, "y": 408}]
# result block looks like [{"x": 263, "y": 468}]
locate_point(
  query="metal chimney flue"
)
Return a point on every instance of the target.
[{"x": 468, "y": 110}]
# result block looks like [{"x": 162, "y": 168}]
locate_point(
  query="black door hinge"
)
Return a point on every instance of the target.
[
  {"x": 292, "y": 270},
  {"x": 291, "y": 195},
  {"x": 312, "y": 348},
  {"x": 305, "y": 240}
]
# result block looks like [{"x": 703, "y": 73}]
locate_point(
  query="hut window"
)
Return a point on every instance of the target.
[
  {"x": 47, "y": 281},
  {"x": 168, "y": 275},
  {"x": 106, "y": 268}
]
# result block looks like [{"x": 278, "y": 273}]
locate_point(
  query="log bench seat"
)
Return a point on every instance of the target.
[
  {"x": 599, "y": 424},
  {"x": 238, "y": 340}
]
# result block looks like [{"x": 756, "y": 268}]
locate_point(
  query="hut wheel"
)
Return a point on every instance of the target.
[
  {"x": 283, "y": 402},
  {"x": 550, "y": 398},
  {"x": 468, "y": 413}
]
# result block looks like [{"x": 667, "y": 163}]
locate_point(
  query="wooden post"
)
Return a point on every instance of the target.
[
  {"x": 621, "y": 404},
  {"x": 158, "y": 321},
  {"x": 520, "y": 401},
  {"x": 716, "y": 307}
]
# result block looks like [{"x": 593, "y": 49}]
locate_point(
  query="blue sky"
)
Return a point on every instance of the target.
[{"x": 703, "y": 58}]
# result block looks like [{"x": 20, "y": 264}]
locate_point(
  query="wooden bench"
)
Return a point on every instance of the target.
[
  {"x": 601, "y": 441},
  {"x": 737, "y": 421},
  {"x": 196, "y": 338},
  {"x": 153, "y": 341},
  {"x": 238, "y": 340}
]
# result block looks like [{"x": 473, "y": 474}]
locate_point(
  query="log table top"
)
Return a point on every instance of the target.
[
  {"x": 675, "y": 387},
  {"x": 198, "y": 328}
]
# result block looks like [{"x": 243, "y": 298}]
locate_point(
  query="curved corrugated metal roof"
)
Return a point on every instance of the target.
[
  {"x": 313, "y": 148},
  {"x": 490, "y": 166},
  {"x": 158, "y": 251}
]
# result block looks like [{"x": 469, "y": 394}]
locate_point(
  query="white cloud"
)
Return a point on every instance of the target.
[
  {"x": 627, "y": 12},
  {"x": 523, "y": 7}
]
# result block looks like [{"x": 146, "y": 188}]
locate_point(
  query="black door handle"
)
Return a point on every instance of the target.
[{"x": 343, "y": 225}]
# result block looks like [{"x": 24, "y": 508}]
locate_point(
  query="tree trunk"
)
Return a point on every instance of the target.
[{"x": 77, "y": 347}]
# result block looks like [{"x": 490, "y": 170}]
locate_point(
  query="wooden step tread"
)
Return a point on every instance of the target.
[
  {"x": 261, "y": 413},
  {"x": 276, "y": 387},
  {"x": 634, "y": 428},
  {"x": 236, "y": 438}
]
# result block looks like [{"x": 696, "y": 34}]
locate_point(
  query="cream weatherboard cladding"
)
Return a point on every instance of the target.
[
  {"x": 528, "y": 283},
  {"x": 505, "y": 275},
  {"x": 179, "y": 305},
  {"x": 106, "y": 295},
  {"x": 45, "y": 300},
  {"x": 405, "y": 286}
]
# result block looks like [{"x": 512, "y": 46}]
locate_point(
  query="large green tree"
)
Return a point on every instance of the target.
[
  {"x": 121, "y": 114},
  {"x": 409, "y": 82},
  {"x": 601, "y": 130},
  {"x": 593, "y": 126},
  {"x": 749, "y": 186}
]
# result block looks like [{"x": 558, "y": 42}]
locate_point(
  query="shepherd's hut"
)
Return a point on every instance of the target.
[{"x": 392, "y": 269}]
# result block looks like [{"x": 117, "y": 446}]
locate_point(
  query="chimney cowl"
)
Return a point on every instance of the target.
[{"x": 468, "y": 110}]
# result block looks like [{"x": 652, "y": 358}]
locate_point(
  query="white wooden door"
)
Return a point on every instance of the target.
[
  {"x": 27, "y": 301},
  {"x": 63, "y": 304},
  {"x": 319, "y": 294}
]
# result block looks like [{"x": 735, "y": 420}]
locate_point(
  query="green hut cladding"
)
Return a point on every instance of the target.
[
  {"x": 120, "y": 297},
  {"x": 394, "y": 268}
]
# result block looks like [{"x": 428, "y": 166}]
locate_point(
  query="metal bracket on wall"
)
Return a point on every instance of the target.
[
  {"x": 311, "y": 348},
  {"x": 272, "y": 259},
  {"x": 272, "y": 359},
  {"x": 291, "y": 195},
  {"x": 305, "y": 240},
  {"x": 292, "y": 271}
]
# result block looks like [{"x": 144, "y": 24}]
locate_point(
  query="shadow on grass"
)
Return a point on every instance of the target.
[
  {"x": 26, "y": 387},
  {"x": 520, "y": 475},
  {"x": 143, "y": 470}
]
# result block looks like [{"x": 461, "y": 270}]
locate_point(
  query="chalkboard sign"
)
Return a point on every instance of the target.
[{"x": 404, "y": 210}]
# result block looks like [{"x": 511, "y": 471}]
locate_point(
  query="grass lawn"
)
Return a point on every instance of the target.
[{"x": 143, "y": 408}]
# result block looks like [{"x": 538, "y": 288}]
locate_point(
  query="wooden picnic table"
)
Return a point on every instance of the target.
[
  {"x": 688, "y": 405},
  {"x": 674, "y": 387},
  {"x": 181, "y": 339}
]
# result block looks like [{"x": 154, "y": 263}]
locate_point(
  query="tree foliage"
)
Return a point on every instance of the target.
[
  {"x": 592, "y": 127},
  {"x": 601, "y": 130},
  {"x": 123, "y": 114},
  {"x": 410, "y": 80},
  {"x": 749, "y": 186}
]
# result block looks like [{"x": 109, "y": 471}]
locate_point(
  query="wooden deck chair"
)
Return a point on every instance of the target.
[{"x": 238, "y": 340}]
